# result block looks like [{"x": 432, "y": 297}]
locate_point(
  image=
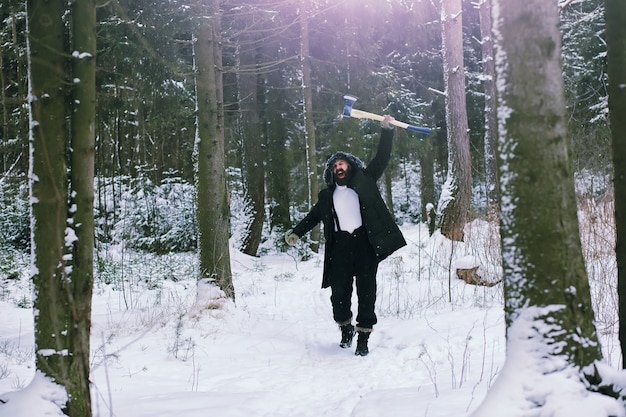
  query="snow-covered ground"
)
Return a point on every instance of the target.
[{"x": 436, "y": 351}]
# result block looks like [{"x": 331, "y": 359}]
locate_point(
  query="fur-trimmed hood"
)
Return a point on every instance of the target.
[{"x": 355, "y": 164}]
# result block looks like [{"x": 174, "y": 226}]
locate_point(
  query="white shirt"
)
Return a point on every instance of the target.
[{"x": 347, "y": 207}]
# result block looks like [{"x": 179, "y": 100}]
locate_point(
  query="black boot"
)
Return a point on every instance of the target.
[
  {"x": 347, "y": 334},
  {"x": 361, "y": 344}
]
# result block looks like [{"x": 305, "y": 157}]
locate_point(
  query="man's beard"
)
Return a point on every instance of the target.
[{"x": 342, "y": 177}]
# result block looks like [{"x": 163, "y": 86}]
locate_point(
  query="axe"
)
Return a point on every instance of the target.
[{"x": 348, "y": 111}]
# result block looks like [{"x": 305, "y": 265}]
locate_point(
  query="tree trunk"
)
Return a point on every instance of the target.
[
  {"x": 615, "y": 15},
  {"x": 456, "y": 194},
  {"x": 427, "y": 184},
  {"x": 491, "y": 121},
  {"x": 309, "y": 127},
  {"x": 540, "y": 235},
  {"x": 63, "y": 284},
  {"x": 5, "y": 115},
  {"x": 253, "y": 153},
  {"x": 547, "y": 295},
  {"x": 277, "y": 169},
  {"x": 82, "y": 186},
  {"x": 14, "y": 84},
  {"x": 212, "y": 197},
  {"x": 48, "y": 186}
]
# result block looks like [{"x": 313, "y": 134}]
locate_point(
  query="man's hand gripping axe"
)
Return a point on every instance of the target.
[{"x": 348, "y": 111}]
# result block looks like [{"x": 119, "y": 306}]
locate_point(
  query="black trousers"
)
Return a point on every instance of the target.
[{"x": 353, "y": 257}]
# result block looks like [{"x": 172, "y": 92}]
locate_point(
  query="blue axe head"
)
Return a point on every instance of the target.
[{"x": 348, "y": 101}]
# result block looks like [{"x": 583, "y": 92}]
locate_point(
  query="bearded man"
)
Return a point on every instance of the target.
[{"x": 359, "y": 232}]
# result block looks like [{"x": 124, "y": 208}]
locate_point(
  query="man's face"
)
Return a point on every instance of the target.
[{"x": 341, "y": 169}]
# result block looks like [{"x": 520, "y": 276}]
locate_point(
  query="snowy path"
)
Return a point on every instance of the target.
[
  {"x": 276, "y": 354},
  {"x": 434, "y": 353}
]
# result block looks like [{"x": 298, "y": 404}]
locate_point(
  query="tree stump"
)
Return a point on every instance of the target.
[{"x": 467, "y": 270}]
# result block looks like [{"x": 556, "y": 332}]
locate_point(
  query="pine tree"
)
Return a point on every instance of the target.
[
  {"x": 63, "y": 235},
  {"x": 548, "y": 311},
  {"x": 212, "y": 196},
  {"x": 455, "y": 199},
  {"x": 616, "y": 40}
]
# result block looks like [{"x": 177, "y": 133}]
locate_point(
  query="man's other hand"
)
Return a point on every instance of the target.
[{"x": 291, "y": 239}]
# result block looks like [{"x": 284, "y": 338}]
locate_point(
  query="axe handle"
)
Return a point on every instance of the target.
[{"x": 359, "y": 114}]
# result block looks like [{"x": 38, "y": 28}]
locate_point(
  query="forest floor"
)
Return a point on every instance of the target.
[{"x": 438, "y": 348}]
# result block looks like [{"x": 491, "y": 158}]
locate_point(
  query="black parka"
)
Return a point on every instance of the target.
[{"x": 382, "y": 230}]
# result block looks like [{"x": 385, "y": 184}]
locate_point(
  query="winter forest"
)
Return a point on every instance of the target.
[{"x": 154, "y": 154}]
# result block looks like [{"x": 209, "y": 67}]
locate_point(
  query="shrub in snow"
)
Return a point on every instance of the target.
[
  {"x": 14, "y": 214},
  {"x": 155, "y": 218}
]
